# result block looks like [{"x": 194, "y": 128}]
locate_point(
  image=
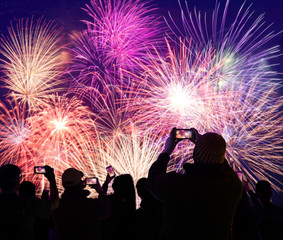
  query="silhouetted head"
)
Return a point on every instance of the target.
[
  {"x": 72, "y": 178},
  {"x": 263, "y": 190},
  {"x": 124, "y": 189},
  {"x": 122, "y": 184},
  {"x": 9, "y": 178},
  {"x": 210, "y": 149},
  {"x": 27, "y": 189},
  {"x": 141, "y": 187}
]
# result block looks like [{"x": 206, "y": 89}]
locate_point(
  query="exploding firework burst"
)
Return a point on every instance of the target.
[
  {"x": 125, "y": 29},
  {"x": 252, "y": 127},
  {"x": 120, "y": 33},
  {"x": 59, "y": 121},
  {"x": 32, "y": 61},
  {"x": 241, "y": 47},
  {"x": 14, "y": 135},
  {"x": 130, "y": 152},
  {"x": 251, "y": 120},
  {"x": 176, "y": 89}
]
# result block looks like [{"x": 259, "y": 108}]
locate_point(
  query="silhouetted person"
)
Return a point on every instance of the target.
[
  {"x": 27, "y": 189},
  {"x": 123, "y": 207},
  {"x": 245, "y": 220},
  {"x": 78, "y": 217},
  {"x": 17, "y": 214},
  {"x": 148, "y": 219},
  {"x": 201, "y": 203},
  {"x": 271, "y": 216}
]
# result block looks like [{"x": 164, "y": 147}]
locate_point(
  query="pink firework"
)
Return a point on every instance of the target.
[
  {"x": 15, "y": 142},
  {"x": 125, "y": 29},
  {"x": 119, "y": 34}
]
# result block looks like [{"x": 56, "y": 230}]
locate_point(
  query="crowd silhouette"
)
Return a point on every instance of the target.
[{"x": 208, "y": 201}]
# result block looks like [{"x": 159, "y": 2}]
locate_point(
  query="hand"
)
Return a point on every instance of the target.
[
  {"x": 196, "y": 135},
  {"x": 49, "y": 173},
  {"x": 97, "y": 187},
  {"x": 171, "y": 142}
]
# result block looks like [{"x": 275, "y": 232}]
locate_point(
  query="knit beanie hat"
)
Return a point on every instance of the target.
[{"x": 210, "y": 149}]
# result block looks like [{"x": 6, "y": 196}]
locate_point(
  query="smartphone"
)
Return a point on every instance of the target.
[
  {"x": 110, "y": 171},
  {"x": 39, "y": 170},
  {"x": 183, "y": 134},
  {"x": 91, "y": 181}
]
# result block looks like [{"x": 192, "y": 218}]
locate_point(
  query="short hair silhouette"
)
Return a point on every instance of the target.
[
  {"x": 141, "y": 187},
  {"x": 27, "y": 189},
  {"x": 9, "y": 177}
]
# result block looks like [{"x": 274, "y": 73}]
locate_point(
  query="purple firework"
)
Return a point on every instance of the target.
[{"x": 119, "y": 36}]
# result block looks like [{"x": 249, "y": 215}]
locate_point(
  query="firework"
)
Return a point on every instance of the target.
[
  {"x": 126, "y": 29},
  {"x": 120, "y": 33},
  {"x": 88, "y": 66},
  {"x": 252, "y": 127},
  {"x": 130, "y": 152},
  {"x": 14, "y": 135},
  {"x": 32, "y": 61},
  {"x": 175, "y": 89},
  {"x": 57, "y": 123},
  {"x": 250, "y": 121},
  {"x": 240, "y": 46}
]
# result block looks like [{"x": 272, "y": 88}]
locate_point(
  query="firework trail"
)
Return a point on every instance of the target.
[
  {"x": 14, "y": 134},
  {"x": 111, "y": 108},
  {"x": 130, "y": 152},
  {"x": 88, "y": 66},
  {"x": 252, "y": 128},
  {"x": 32, "y": 62}
]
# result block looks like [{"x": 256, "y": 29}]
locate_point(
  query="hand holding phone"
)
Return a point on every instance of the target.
[{"x": 183, "y": 134}]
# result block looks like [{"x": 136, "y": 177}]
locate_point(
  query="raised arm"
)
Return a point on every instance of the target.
[
  {"x": 54, "y": 196},
  {"x": 157, "y": 170}
]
